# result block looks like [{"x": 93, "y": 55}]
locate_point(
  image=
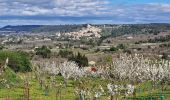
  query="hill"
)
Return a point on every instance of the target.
[
  {"x": 20, "y": 28},
  {"x": 43, "y": 28},
  {"x": 107, "y": 29}
]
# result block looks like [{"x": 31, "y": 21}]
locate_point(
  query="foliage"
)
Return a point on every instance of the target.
[
  {"x": 121, "y": 46},
  {"x": 105, "y": 32},
  {"x": 108, "y": 59},
  {"x": 165, "y": 56},
  {"x": 97, "y": 50},
  {"x": 157, "y": 40},
  {"x": 65, "y": 53},
  {"x": 164, "y": 45},
  {"x": 18, "y": 61},
  {"x": 138, "y": 29},
  {"x": 9, "y": 78},
  {"x": 1, "y": 47},
  {"x": 113, "y": 49},
  {"x": 44, "y": 51},
  {"x": 160, "y": 39},
  {"x": 58, "y": 28},
  {"x": 80, "y": 59},
  {"x": 92, "y": 41}
]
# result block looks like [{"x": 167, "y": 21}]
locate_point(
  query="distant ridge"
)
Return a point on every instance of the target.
[
  {"x": 75, "y": 28},
  {"x": 20, "y": 28},
  {"x": 42, "y": 28}
]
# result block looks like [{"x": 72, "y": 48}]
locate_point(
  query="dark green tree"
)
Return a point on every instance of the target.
[
  {"x": 165, "y": 56},
  {"x": 121, "y": 46},
  {"x": 65, "y": 53},
  {"x": 44, "y": 51},
  {"x": 113, "y": 49},
  {"x": 1, "y": 47},
  {"x": 80, "y": 59}
]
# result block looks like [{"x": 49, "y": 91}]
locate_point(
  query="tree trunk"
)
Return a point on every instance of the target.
[
  {"x": 111, "y": 97},
  {"x": 26, "y": 91}
]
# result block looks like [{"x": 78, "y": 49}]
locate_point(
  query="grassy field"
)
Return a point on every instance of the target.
[
  {"x": 16, "y": 92},
  {"x": 37, "y": 93}
]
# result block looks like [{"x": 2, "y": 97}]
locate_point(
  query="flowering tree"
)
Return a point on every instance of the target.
[
  {"x": 70, "y": 69},
  {"x": 110, "y": 87},
  {"x": 138, "y": 69},
  {"x": 115, "y": 90},
  {"x": 52, "y": 68},
  {"x": 133, "y": 69},
  {"x": 39, "y": 72}
]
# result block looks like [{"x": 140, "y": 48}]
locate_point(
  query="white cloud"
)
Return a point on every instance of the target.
[
  {"x": 35, "y": 11},
  {"x": 160, "y": 7},
  {"x": 55, "y": 7},
  {"x": 101, "y": 10}
]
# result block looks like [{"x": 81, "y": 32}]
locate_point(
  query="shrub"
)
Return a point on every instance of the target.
[
  {"x": 113, "y": 49},
  {"x": 97, "y": 50},
  {"x": 65, "y": 53},
  {"x": 18, "y": 61},
  {"x": 165, "y": 56},
  {"x": 44, "y": 51},
  {"x": 127, "y": 51},
  {"x": 121, "y": 46},
  {"x": 108, "y": 59},
  {"x": 80, "y": 59},
  {"x": 1, "y": 47}
]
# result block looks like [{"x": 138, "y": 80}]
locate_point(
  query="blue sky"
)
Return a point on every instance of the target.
[
  {"x": 52, "y": 12},
  {"x": 139, "y": 1}
]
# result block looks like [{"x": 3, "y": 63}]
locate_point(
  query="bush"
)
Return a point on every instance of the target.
[
  {"x": 113, "y": 49},
  {"x": 65, "y": 53},
  {"x": 18, "y": 61},
  {"x": 165, "y": 56},
  {"x": 109, "y": 59},
  {"x": 44, "y": 51},
  {"x": 127, "y": 51},
  {"x": 121, "y": 46},
  {"x": 81, "y": 60},
  {"x": 97, "y": 50},
  {"x": 1, "y": 47}
]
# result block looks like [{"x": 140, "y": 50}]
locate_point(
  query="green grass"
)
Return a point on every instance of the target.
[
  {"x": 36, "y": 93},
  {"x": 10, "y": 78},
  {"x": 16, "y": 92}
]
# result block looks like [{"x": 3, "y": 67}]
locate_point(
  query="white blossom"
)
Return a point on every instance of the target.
[
  {"x": 130, "y": 89},
  {"x": 110, "y": 88},
  {"x": 71, "y": 70},
  {"x": 138, "y": 69}
]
